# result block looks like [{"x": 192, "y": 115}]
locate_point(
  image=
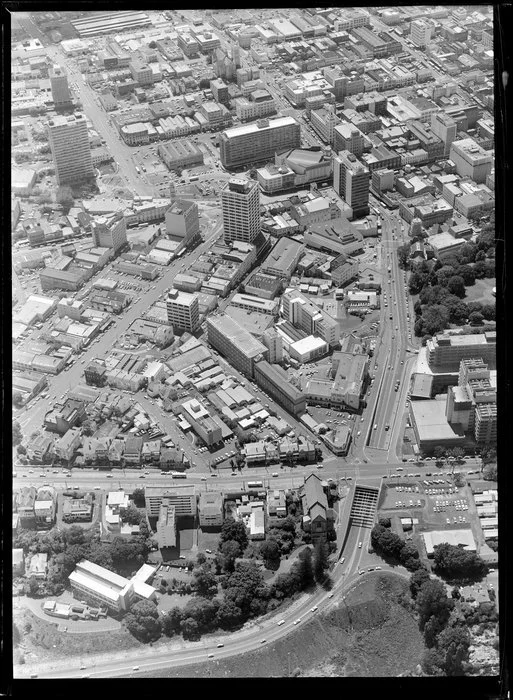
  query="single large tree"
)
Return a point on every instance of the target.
[
  {"x": 320, "y": 563},
  {"x": 205, "y": 582},
  {"x": 305, "y": 568},
  {"x": 417, "y": 579},
  {"x": 432, "y": 600},
  {"x": 270, "y": 552},
  {"x": 143, "y": 621},
  {"x": 171, "y": 621},
  {"x": 234, "y": 530}
]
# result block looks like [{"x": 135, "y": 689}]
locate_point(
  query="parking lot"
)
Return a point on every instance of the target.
[{"x": 441, "y": 502}]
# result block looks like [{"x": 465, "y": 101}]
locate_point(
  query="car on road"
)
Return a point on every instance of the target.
[
  {"x": 296, "y": 622},
  {"x": 359, "y": 545},
  {"x": 281, "y": 622},
  {"x": 210, "y": 656},
  {"x": 220, "y": 645}
]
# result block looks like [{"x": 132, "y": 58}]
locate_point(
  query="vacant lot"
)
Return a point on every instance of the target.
[{"x": 368, "y": 634}]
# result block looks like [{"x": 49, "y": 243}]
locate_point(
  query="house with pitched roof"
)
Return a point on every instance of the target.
[{"x": 318, "y": 518}]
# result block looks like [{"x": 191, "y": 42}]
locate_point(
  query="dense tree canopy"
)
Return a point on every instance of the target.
[
  {"x": 143, "y": 621},
  {"x": 320, "y": 562},
  {"x": 457, "y": 563},
  {"x": 205, "y": 582},
  {"x": 453, "y": 645},
  {"x": 431, "y": 601},
  {"x": 417, "y": 579},
  {"x": 234, "y": 530},
  {"x": 244, "y": 584},
  {"x": 227, "y": 554},
  {"x": 270, "y": 552},
  {"x": 456, "y": 286}
]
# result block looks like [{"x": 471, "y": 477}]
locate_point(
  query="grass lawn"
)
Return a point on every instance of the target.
[
  {"x": 166, "y": 602},
  {"x": 186, "y": 539},
  {"x": 481, "y": 291},
  {"x": 207, "y": 540}
]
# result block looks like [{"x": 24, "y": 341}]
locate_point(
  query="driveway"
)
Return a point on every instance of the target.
[{"x": 80, "y": 626}]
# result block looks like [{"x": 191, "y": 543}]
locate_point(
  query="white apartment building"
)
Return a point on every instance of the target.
[
  {"x": 183, "y": 310},
  {"x": 254, "y": 109},
  {"x": 70, "y": 147},
  {"x": 110, "y": 231},
  {"x": 421, "y": 32}
]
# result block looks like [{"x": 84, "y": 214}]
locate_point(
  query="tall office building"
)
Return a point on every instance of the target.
[
  {"x": 183, "y": 310},
  {"x": 421, "y": 31},
  {"x": 61, "y": 94},
  {"x": 274, "y": 344},
  {"x": 236, "y": 54},
  {"x": 444, "y": 126},
  {"x": 240, "y": 201},
  {"x": 110, "y": 231},
  {"x": 70, "y": 147},
  {"x": 351, "y": 180},
  {"x": 259, "y": 141},
  {"x": 182, "y": 220}
]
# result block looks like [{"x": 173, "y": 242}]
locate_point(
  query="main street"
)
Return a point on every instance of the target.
[
  {"x": 288, "y": 477},
  {"x": 394, "y": 358}
]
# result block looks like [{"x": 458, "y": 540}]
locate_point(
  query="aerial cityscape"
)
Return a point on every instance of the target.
[{"x": 254, "y": 382}]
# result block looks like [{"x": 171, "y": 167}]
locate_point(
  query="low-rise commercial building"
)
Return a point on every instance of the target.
[
  {"x": 336, "y": 236},
  {"x": 202, "y": 422},
  {"x": 210, "y": 509},
  {"x": 235, "y": 343},
  {"x": 178, "y": 155},
  {"x": 347, "y": 387},
  {"x": 183, "y": 498},
  {"x": 273, "y": 379},
  {"x": 283, "y": 258}
]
